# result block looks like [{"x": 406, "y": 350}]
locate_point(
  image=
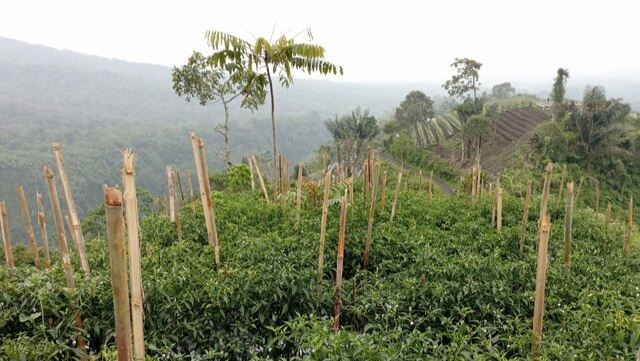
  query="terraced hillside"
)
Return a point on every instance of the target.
[{"x": 512, "y": 128}]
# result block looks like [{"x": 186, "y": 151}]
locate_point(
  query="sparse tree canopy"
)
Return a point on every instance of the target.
[
  {"x": 503, "y": 91},
  {"x": 466, "y": 80},
  {"x": 265, "y": 59},
  {"x": 559, "y": 107},
  {"x": 476, "y": 131},
  {"x": 415, "y": 108}
]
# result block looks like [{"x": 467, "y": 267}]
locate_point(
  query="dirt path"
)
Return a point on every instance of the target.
[{"x": 444, "y": 186}]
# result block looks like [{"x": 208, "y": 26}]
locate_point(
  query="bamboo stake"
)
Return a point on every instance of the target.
[
  {"x": 298, "y": 193},
  {"x": 253, "y": 183},
  {"x": 28, "y": 226},
  {"x": 262, "y": 186},
  {"x": 172, "y": 195},
  {"x": 6, "y": 236},
  {"x": 372, "y": 209},
  {"x": 431, "y": 185},
  {"x": 280, "y": 174},
  {"x": 43, "y": 231},
  {"x": 365, "y": 184},
  {"x": 209, "y": 203},
  {"x": 131, "y": 212},
  {"x": 545, "y": 194},
  {"x": 204, "y": 196},
  {"x": 575, "y": 200},
  {"x": 192, "y": 199},
  {"x": 64, "y": 250},
  {"x": 474, "y": 186},
  {"x": 71, "y": 205},
  {"x": 340, "y": 262},
  {"x": 395, "y": 197},
  {"x": 180, "y": 187},
  {"x": 627, "y": 243},
  {"x": 568, "y": 224},
  {"x": 383, "y": 197},
  {"x": 118, "y": 265},
  {"x": 494, "y": 205},
  {"x": 323, "y": 228},
  {"x": 499, "y": 204},
  {"x": 541, "y": 278},
  {"x": 525, "y": 218},
  {"x": 70, "y": 226},
  {"x": 420, "y": 181}
]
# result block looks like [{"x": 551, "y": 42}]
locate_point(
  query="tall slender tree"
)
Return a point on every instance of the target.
[
  {"x": 559, "y": 107},
  {"x": 266, "y": 59}
]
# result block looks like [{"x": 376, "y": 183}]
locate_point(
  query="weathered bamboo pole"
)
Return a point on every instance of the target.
[
  {"x": 545, "y": 195},
  {"x": 420, "y": 181},
  {"x": 340, "y": 263},
  {"x": 365, "y": 183},
  {"x": 323, "y": 228},
  {"x": 135, "y": 268},
  {"x": 180, "y": 187},
  {"x": 575, "y": 200},
  {"x": 298, "y": 193},
  {"x": 395, "y": 197},
  {"x": 43, "y": 231},
  {"x": 253, "y": 183},
  {"x": 71, "y": 205},
  {"x": 28, "y": 226},
  {"x": 70, "y": 227},
  {"x": 474, "y": 186},
  {"x": 383, "y": 196},
  {"x": 372, "y": 210},
  {"x": 499, "y": 210},
  {"x": 176, "y": 209},
  {"x": 172, "y": 195},
  {"x": 431, "y": 185},
  {"x": 209, "y": 203},
  {"x": 370, "y": 167},
  {"x": 262, "y": 186},
  {"x": 541, "y": 278},
  {"x": 525, "y": 218},
  {"x": 280, "y": 174},
  {"x": 494, "y": 199},
  {"x": 627, "y": 243},
  {"x": 607, "y": 217},
  {"x": 597, "y": 199},
  {"x": 203, "y": 181},
  {"x": 568, "y": 224},
  {"x": 190, "y": 183},
  {"x": 118, "y": 265},
  {"x": 64, "y": 249},
  {"x": 6, "y": 236}
]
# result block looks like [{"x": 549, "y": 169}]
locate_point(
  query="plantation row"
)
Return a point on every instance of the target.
[{"x": 442, "y": 283}]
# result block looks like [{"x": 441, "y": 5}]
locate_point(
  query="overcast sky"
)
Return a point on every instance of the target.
[{"x": 375, "y": 41}]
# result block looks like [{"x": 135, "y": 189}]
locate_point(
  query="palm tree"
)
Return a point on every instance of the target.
[{"x": 265, "y": 59}]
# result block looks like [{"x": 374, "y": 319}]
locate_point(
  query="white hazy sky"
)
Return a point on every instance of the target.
[{"x": 375, "y": 41}]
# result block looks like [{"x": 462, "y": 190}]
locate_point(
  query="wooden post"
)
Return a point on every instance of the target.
[
  {"x": 71, "y": 205},
  {"x": 262, "y": 186},
  {"x": 340, "y": 262},
  {"x": 395, "y": 197},
  {"x": 420, "y": 180},
  {"x": 177, "y": 209},
  {"x": 372, "y": 209},
  {"x": 205, "y": 195},
  {"x": 365, "y": 183},
  {"x": 499, "y": 210},
  {"x": 383, "y": 196},
  {"x": 627, "y": 243},
  {"x": 541, "y": 278},
  {"x": 575, "y": 200},
  {"x": 323, "y": 228},
  {"x": 545, "y": 194},
  {"x": 28, "y": 226},
  {"x": 525, "y": 218},
  {"x": 494, "y": 199},
  {"x": 298, "y": 193},
  {"x": 474, "y": 186},
  {"x": 172, "y": 195},
  {"x": 564, "y": 179},
  {"x": 64, "y": 249},
  {"x": 70, "y": 226},
  {"x": 253, "y": 183},
  {"x": 280, "y": 174},
  {"x": 568, "y": 224},
  {"x": 43, "y": 231},
  {"x": 118, "y": 265},
  {"x": 180, "y": 187},
  {"x": 6, "y": 236},
  {"x": 431, "y": 185},
  {"x": 192, "y": 199},
  {"x": 131, "y": 212}
]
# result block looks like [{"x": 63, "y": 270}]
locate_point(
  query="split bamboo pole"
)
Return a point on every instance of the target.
[
  {"x": 209, "y": 202},
  {"x": 323, "y": 229},
  {"x": 431, "y": 185},
  {"x": 525, "y": 218},
  {"x": 262, "y": 186},
  {"x": 545, "y": 195},
  {"x": 172, "y": 195},
  {"x": 253, "y": 183},
  {"x": 575, "y": 200},
  {"x": 383, "y": 196},
  {"x": 71, "y": 205},
  {"x": 70, "y": 227},
  {"x": 420, "y": 180},
  {"x": 177, "y": 204},
  {"x": 474, "y": 186},
  {"x": 627, "y": 243},
  {"x": 179, "y": 187},
  {"x": 568, "y": 224},
  {"x": 6, "y": 236},
  {"x": 395, "y": 197},
  {"x": 372, "y": 210},
  {"x": 135, "y": 268},
  {"x": 64, "y": 250},
  {"x": 499, "y": 210},
  {"x": 28, "y": 226},
  {"x": 340, "y": 263},
  {"x": 298, "y": 193},
  {"x": 541, "y": 278},
  {"x": 43, "y": 231},
  {"x": 118, "y": 265}
]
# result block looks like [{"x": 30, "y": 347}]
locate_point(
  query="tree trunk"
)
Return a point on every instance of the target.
[{"x": 273, "y": 129}]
